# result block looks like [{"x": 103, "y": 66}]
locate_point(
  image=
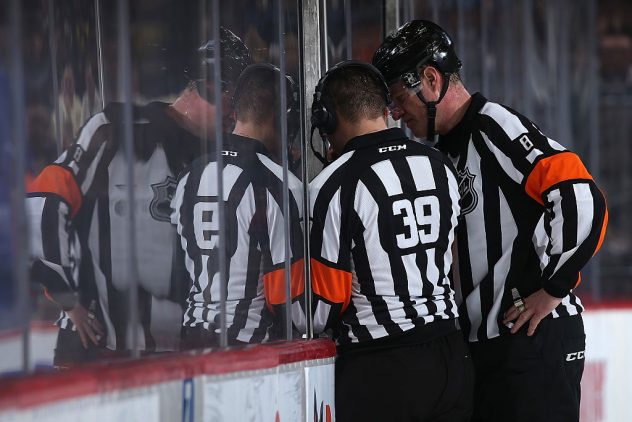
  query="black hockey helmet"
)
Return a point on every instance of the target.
[
  {"x": 412, "y": 46},
  {"x": 405, "y": 52},
  {"x": 234, "y": 57}
]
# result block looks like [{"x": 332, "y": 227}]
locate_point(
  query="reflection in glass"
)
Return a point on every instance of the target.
[
  {"x": 254, "y": 222},
  {"x": 80, "y": 207},
  {"x": 100, "y": 215}
]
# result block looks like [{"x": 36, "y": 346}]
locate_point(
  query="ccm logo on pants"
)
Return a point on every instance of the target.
[{"x": 575, "y": 356}]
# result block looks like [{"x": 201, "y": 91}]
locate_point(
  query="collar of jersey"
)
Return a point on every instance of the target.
[
  {"x": 374, "y": 138},
  {"x": 243, "y": 144},
  {"x": 456, "y": 140}
]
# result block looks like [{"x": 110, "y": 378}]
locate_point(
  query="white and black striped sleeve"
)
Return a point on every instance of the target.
[
  {"x": 574, "y": 223},
  {"x": 273, "y": 238},
  {"x": 54, "y": 199},
  {"x": 575, "y": 217}
]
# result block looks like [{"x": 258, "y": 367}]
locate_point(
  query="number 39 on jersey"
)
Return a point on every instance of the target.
[{"x": 420, "y": 219}]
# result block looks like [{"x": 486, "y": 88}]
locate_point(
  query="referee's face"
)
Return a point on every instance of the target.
[
  {"x": 228, "y": 120},
  {"x": 407, "y": 107}
]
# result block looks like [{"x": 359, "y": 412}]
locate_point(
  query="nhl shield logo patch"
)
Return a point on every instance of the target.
[
  {"x": 469, "y": 197},
  {"x": 160, "y": 207}
]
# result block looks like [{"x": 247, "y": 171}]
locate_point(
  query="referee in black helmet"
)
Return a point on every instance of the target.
[{"x": 531, "y": 218}]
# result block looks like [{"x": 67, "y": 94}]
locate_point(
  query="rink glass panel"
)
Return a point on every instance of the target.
[{"x": 549, "y": 60}]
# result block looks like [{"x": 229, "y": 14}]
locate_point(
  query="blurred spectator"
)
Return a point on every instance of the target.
[
  {"x": 91, "y": 102},
  {"x": 258, "y": 46},
  {"x": 7, "y": 287},
  {"x": 37, "y": 68},
  {"x": 69, "y": 107},
  {"x": 41, "y": 145}
]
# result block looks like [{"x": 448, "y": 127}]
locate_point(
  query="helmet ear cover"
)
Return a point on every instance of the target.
[{"x": 323, "y": 110}]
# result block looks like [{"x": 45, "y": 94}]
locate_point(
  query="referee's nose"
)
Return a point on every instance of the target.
[{"x": 396, "y": 111}]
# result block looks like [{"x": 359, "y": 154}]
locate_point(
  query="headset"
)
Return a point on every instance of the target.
[{"x": 323, "y": 111}]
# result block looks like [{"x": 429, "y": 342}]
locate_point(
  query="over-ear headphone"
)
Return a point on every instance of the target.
[{"x": 323, "y": 112}]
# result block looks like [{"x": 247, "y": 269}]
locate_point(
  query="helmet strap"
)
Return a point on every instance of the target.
[{"x": 432, "y": 105}]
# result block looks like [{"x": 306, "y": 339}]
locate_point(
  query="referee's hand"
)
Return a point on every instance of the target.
[
  {"x": 536, "y": 307},
  {"x": 89, "y": 329}
]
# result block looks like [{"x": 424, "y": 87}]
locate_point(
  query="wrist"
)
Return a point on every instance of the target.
[{"x": 556, "y": 291}]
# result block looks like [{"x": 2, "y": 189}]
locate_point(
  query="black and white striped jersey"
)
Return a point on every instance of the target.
[
  {"x": 254, "y": 240},
  {"x": 531, "y": 215},
  {"x": 79, "y": 225},
  {"x": 383, "y": 219}
]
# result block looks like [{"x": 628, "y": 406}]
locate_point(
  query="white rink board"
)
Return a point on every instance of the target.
[
  {"x": 320, "y": 392},
  {"x": 607, "y": 380},
  {"x": 42, "y": 336},
  {"x": 259, "y": 396},
  {"x": 273, "y": 394},
  {"x": 301, "y": 390},
  {"x": 125, "y": 406}
]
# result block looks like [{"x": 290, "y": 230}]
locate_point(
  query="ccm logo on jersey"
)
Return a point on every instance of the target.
[
  {"x": 230, "y": 153},
  {"x": 392, "y": 148},
  {"x": 575, "y": 356}
]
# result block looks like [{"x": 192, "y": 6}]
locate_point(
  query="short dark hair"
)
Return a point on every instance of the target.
[
  {"x": 355, "y": 93},
  {"x": 257, "y": 98}
]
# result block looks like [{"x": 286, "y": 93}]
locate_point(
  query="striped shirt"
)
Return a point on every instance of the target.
[
  {"x": 254, "y": 240},
  {"x": 531, "y": 215},
  {"x": 383, "y": 218},
  {"x": 78, "y": 213}
]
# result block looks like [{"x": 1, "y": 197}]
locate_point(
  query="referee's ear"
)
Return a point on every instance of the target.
[{"x": 433, "y": 78}]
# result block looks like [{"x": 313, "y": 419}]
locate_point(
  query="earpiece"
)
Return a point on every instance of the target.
[{"x": 323, "y": 115}]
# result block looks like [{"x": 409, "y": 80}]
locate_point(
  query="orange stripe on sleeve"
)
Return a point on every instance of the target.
[
  {"x": 331, "y": 283},
  {"x": 49, "y": 296},
  {"x": 60, "y": 181},
  {"x": 555, "y": 169},
  {"x": 603, "y": 231},
  {"x": 274, "y": 284}
]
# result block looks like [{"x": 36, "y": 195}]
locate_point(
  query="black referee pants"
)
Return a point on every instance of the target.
[
  {"x": 69, "y": 351},
  {"x": 430, "y": 382},
  {"x": 530, "y": 379}
]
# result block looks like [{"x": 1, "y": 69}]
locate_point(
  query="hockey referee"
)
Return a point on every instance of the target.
[
  {"x": 78, "y": 211},
  {"x": 383, "y": 217},
  {"x": 531, "y": 218},
  {"x": 254, "y": 221}
]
